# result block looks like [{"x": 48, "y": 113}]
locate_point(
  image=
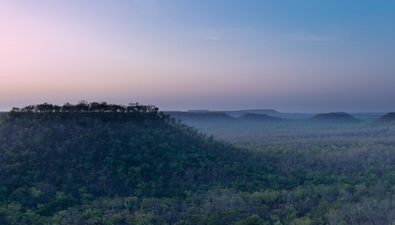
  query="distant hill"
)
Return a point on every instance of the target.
[
  {"x": 202, "y": 116},
  {"x": 261, "y": 111},
  {"x": 386, "y": 119},
  {"x": 198, "y": 111},
  {"x": 238, "y": 113},
  {"x": 259, "y": 118},
  {"x": 270, "y": 112},
  {"x": 335, "y": 118}
]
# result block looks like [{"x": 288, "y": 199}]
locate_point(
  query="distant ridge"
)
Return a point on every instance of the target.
[
  {"x": 201, "y": 115},
  {"x": 198, "y": 111},
  {"x": 238, "y": 113},
  {"x": 260, "y": 111},
  {"x": 335, "y": 117},
  {"x": 259, "y": 117},
  {"x": 388, "y": 118}
]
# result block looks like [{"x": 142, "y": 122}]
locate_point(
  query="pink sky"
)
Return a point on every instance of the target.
[{"x": 177, "y": 57}]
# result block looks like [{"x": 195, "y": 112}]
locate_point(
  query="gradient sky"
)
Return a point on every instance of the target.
[{"x": 289, "y": 55}]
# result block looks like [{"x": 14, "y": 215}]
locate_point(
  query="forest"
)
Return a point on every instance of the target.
[{"x": 99, "y": 163}]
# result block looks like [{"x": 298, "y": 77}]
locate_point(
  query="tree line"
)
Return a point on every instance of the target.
[{"x": 85, "y": 107}]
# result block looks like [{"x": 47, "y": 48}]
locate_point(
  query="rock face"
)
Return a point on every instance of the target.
[{"x": 335, "y": 118}]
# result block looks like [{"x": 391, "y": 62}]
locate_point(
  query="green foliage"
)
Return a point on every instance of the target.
[
  {"x": 252, "y": 220},
  {"x": 97, "y": 163},
  {"x": 55, "y": 158}
]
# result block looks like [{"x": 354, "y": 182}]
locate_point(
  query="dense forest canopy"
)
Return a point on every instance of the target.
[
  {"x": 54, "y": 158},
  {"x": 99, "y": 163}
]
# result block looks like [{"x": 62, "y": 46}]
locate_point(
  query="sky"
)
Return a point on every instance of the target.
[{"x": 288, "y": 55}]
